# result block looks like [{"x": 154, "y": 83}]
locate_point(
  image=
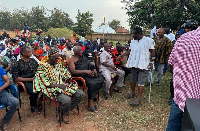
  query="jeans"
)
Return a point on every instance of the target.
[
  {"x": 175, "y": 118},
  {"x": 9, "y": 100},
  {"x": 159, "y": 67},
  {"x": 68, "y": 104},
  {"x": 165, "y": 68}
]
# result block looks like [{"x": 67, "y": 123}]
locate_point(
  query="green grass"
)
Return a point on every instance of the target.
[
  {"x": 117, "y": 114},
  {"x": 60, "y": 32}
]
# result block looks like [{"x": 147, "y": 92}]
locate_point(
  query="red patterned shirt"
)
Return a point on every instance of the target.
[{"x": 185, "y": 58}]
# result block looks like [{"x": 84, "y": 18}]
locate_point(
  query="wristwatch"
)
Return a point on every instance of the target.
[{"x": 151, "y": 62}]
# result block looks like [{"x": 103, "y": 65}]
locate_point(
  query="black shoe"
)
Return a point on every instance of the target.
[
  {"x": 170, "y": 101},
  {"x": 105, "y": 96}
]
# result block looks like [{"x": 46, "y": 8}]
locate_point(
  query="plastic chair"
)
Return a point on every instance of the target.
[
  {"x": 58, "y": 104},
  {"x": 15, "y": 91},
  {"x": 19, "y": 92}
]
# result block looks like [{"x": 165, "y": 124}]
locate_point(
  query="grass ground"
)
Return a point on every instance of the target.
[{"x": 115, "y": 114}]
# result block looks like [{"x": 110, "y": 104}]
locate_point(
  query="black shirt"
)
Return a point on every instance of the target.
[
  {"x": 24, "y": 69},
  {"x": 89, "y": 54}
]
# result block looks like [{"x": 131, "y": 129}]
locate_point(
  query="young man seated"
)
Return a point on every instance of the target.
[
  {"x": 107, "y": 68},
  {"x": 24, "y": 71},
  {"x": 6, "y": 99},
  {"x": 88, "y": 53},
  {"x": 80, "y": 66},
  {"x": 53, "y": 79}
]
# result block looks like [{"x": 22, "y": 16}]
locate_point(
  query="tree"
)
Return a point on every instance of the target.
[
  {"x": 5, "y": 19},
  {"x": 171, "y": 13},
  {"x": 38, "y": 18},
  {"x": 115, "y": 24},
  {"x": 60, "y": 19},
  {"x": 83, "y": 25}
]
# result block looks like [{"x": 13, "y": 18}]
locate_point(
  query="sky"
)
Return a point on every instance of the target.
[{"x": 110, "y": 9}]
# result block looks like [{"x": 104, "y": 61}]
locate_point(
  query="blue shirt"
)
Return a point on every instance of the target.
[
  {"x": 93, "y": 47},
  {"x": 2, "y": 73}
]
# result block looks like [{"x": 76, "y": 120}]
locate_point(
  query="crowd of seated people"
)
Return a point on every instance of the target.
[{"x": 49, "y": 69}]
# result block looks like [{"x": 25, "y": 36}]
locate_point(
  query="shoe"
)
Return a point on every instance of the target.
[
  {"x": 105, "y": 96},
  {"x": 117, "y": 90},
  {"x": 135, "y": 102},
  {"x": 130, "y": 95},
  {"x": 170, "y": 101},
  {"x": 157, "y": 84},
  {"x": 148, "y": 84}
]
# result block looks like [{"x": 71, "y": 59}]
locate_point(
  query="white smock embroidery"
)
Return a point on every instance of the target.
[{"x": 140, "y": 56}]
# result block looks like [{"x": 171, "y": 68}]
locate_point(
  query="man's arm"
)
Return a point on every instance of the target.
[
  {"x": 78, "y": 72},
  {"x": 7, "y": 83}
]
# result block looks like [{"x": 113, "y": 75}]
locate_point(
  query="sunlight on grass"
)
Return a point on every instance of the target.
[{"x": 117, "y": 114}]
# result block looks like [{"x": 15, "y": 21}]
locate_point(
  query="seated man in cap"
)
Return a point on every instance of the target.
[
  {"x": 54, "y": 79},
  {"x": 88, "y": 53}
]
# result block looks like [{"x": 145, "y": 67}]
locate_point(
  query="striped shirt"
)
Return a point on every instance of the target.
[
  {"x": 162, "y": 49},
  {"x": 185, "y": 58},
  {"x": 47, "y": 75}
]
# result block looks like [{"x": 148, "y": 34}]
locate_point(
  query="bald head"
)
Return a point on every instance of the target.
[
  {"x": 107, "y": 47},
  {"x": 161, "y": 32},
  {"x": 76, "y": 49}
]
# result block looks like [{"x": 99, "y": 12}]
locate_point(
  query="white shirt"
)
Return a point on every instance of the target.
[
  {"x": 170, "y": 36},
  {"x": 140, "y": 55},
  {"x": 153, "y": 31}
]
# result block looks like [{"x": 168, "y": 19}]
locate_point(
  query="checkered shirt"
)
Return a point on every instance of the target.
[{"x": 185, "y": 58}]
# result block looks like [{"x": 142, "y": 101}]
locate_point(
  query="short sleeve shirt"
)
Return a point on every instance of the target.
[
  {"x": 2, "y": 73},
  {"x": 107, "y": 58}
]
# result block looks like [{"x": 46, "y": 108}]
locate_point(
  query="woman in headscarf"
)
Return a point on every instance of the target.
[{"x": 38, "y": 51}]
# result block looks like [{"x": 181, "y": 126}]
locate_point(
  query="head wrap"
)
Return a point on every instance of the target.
[{"x": 53, "y": 52}]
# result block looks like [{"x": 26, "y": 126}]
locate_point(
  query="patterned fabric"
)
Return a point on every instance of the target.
[
  {"x": 162, "y": 49},
  {"x": 46, "y": 58},
  {"x": 115, "y": 54},
  {"x": 186, "y": 73},
  {"x": 24, "y": 69},
  {"x": 47, "y": 75}
]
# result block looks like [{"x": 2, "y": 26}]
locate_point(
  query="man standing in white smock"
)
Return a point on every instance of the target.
[{"x": 141, "y": 56}]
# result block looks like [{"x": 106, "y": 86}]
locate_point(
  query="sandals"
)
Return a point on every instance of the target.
[
  {"x": 34, "y": 111},
  {"x": 62, "y": 119},
  {"x": 117, "y": 90},
  {"x": 66, "y": 120},
  {"x": 4, "y": 127},
  {"x": 131, "y": 95},
  {"x": 94, "y": 109},
  {"x": 135, "y": 102}
]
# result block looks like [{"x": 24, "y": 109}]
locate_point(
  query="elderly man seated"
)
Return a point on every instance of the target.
[
  {"x": 107, "y": 68},
  {"x": 54, "y": 79},
  {"x": 80, "y": 66}
]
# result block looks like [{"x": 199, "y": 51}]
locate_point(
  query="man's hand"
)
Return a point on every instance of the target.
[
  {"x": 62, "y": 86},
  {"x": 89, "y": 72},
  {"x": 118, "y": 58},
  {"x": 1, "y": 89},
  {"x": 150, "y": 66},
  {"x": 113, "y": 67}
]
